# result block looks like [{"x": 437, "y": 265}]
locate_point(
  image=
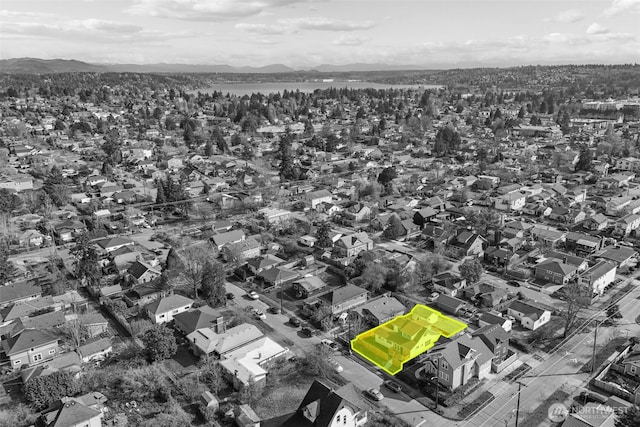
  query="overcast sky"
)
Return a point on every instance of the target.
[{"x": 303, "y": 33}]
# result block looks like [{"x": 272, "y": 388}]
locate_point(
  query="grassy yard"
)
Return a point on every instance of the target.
[
  {"x": 484, "y": 398},
  {"x": 603, "y": 353}
]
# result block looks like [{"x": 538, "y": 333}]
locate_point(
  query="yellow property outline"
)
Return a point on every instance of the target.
[{"x": 390, "y": 345}]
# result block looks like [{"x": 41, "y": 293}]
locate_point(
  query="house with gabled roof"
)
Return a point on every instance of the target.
[
  {"x": 620, "y": 255},
  {"x": 20, "y": 291},
  {"x": 30, "y": 347},
  {"x": 233, "y": 236},
  {"x": 315, "y": 198},
  {"x": 496, "y": 339},
  {"x": 458, "y": 361},
  {"x": 197, "y": 318},
  {"x": 343, "y": 298},
  {"x": 379, "y": 310},
  {"x": 583, "y": 244},
  {"x": 467, "y": 243},
  {"x": 206, "y": 341},
  {"x": 25, "y": 308},
  {"x": 277, "y": 276},
  {"x": 141, "y": 272},
  {"x": 111, "y": 244},
  {"x": 70, "y": 412},
  {"x": 242, "y": 251},
  {"x": 448, "y": 283},
  {"x": 163, "y": 309},
  {"x": 495, "y": 318},
  {"x": 530, "y": 315},
  {"x": 351, "y": 245},
  {"x": 597, "y": 222},
  {"x": 555, "y": 271},
  {"x": 326, "y": 405},
  {"x": 628, "y": 223}
]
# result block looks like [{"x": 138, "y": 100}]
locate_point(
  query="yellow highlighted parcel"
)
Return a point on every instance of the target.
[{"x": 392, "y": 344}]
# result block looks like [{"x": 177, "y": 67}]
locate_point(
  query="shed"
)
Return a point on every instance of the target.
[{"x": 209, "y": 400}]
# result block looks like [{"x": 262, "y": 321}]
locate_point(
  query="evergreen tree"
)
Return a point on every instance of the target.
[
  {"x": 7, "y": 269},
  {"x": 394, "y": 229},
  {"x": 212, "y": 287},
  {"x": 160, "y": 196},
  {"x": 287, "y": 169},
  {"x": 584, "y": 159}
]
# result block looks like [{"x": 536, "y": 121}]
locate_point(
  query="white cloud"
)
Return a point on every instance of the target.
[
  {"x": 619, "y": 6},
  {"x": 295, "y": 25},
  {"x": 596, "y": 28},
  {"x": 262, "y": 28},
  {"x": 206, "y": 10},
  {"x": 566, "y": 16},
  {"x": 349, "y": 40},
  {"x": 325, "y": 24},
  {"x": 94, "y": 30}
]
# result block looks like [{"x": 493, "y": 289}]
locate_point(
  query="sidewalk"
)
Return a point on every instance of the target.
[{"x": 495, "y": 383}]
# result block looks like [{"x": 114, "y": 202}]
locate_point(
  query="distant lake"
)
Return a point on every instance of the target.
[{"x": 266, "y": 88}]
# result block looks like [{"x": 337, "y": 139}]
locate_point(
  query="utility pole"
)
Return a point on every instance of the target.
[
  {"x": 518, "y": 404},
  {"x": 437, "y": 379},
  {"x": 595, "y": 340}
]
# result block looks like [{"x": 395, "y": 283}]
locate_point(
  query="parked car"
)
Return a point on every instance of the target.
[
  {"x": 294, "y": 322},
  {"x": 330, "y": 344},
  {"x": 253, "y": 295},
  {"x": 513, "y": 283},
  {"x": 260, "y": 315},
  {"x": 230, "y": 295},
  {"x": 336, "y": 366},
  {"x": 274, "y": 310},
  {"x": 393, "y": 386},
  {"x": 434, "y": 296},
  {"x": 307, "y": 332},
  {"x": 374, "y": 394}
]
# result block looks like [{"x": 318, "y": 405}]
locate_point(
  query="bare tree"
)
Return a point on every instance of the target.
[
  {"x": 194, "y": 258},
  {"x": 578, "y": 297}
]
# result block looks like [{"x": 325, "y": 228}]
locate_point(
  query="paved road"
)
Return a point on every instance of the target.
[{"x": 557, "y": 371}]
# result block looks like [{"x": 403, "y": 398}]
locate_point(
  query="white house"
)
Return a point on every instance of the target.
[
  {"x": 513, "y": 201},
  {"x": 530, "y": 315},
  {"x": 599, "y": 276},
  {"x": 163, "y": 309}
]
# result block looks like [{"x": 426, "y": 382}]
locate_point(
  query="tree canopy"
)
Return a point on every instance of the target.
[{"x": 159, "y": 342}]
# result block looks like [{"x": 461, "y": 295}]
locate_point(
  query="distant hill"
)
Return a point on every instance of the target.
[{"x": 45, "y": 66}]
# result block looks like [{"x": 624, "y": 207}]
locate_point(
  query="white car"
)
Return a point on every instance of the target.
[
  {"x": 253, "y": 295},
  {"x": 375, "y": 394},
  {"x": 336, "y": 366},
  {"x": 260, "y": 315}
]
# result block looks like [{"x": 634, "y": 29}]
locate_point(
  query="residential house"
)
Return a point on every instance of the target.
[
  {"x": 95, "y": 349},
  {"x": 583, "y": 244},
  {"x": 467, "y": 243},
  {"x": 111, "y": 244},
  {"x": 580, "y": 263},
  {"x": 259, "y": 264},
  {"x": 530, "y": 315},
  {"x": 275, "y": 216},
  {"x": 380, "y": 310},
  {"x": 486, "y": 294},
  {"x": 598, "y": 277},
  {"x": 555, "y": 271},
  {"x": 448, "y": 283},
  {"x": 495, "y": 318},
  {"x": 496, "y": 339},
  {"x": 163, "y": 309},
  {"x": 620, "y": 255},
  {"x": 411, "y": 230},
  {"x": 17, "y": 183},
  {"x": 424, "y": 216},
  {"x": 221, "y": 239},
  {"x": 198, "y": 318},
  {"x": 357, "y": 212},
  {"x": 278, "y": 276},
  {"x": 141, "y": 272},
  {"x": 315, "y": 198},
  {"x": 449, "y": 304},
  {"x": 597, "y": 222},
  {"x": 72, "y": 412},
  {"x": 247, "y": 365},
  {"x": 242, "y": 251},
  {"x": 16, "y": 292},
  {"x": 32, "y": 238},
  {"x": 206, "y": 341},
  {"x": 324, "y": 405},
  {"x": 343, "y": 298},
  {"x": 458, "y": 361},
  {"x": 30, "y": 347},
  {"x": 307, "y": 286},
  {"x": 512, "y": 201},
  {"x": 351, "y": 245},
  {"x": 628, "y": 223}
]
